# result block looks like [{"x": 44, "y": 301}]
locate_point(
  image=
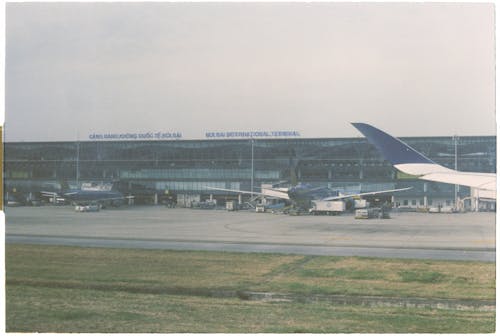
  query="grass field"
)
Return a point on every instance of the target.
[{"x": 68, "y": 289}]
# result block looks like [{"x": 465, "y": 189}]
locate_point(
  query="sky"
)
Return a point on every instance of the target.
[{"x": 80, "y": 70}]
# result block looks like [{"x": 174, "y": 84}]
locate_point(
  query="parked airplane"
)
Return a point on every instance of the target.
[
  {"x": 409, "y": 161},
  {"x": 302, "y": 195},
  {"x": 91, "y": 194},
  {"x": 24, "y": 192}
]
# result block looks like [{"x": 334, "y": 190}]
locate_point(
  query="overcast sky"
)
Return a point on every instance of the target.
[{"x": 411, "y": 69}]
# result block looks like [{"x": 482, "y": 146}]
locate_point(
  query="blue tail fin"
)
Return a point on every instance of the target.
[{"x": 393, "y": 150}]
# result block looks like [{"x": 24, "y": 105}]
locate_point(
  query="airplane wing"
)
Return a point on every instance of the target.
[
  {"x": 484, "y": 181},
  {"x": 333, "y": 198},
  {"x": 236, "y": 191},
  {"x": 409, "y": 161},
  {"x": 277, "y": 195},
  {"x": 104, "y": 199},
  {"x": 114, "y": 198}
]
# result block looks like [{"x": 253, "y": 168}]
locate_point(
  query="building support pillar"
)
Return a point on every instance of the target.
[
  {"x": 426, "y": 202},
  {"x": 474, "y": 199},
  {"x": 240, "y": 200},
  {"x": 156, "y": 199}
]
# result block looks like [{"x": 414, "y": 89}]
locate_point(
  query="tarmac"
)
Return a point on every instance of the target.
[{"x": 464, "y": 236}]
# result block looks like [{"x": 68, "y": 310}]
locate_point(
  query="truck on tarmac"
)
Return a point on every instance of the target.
[
  {"x": 361, "y": 204},
  {"x": 87, "y": 208},
  {"x": 232, "y": 205},
  {"x": 368, "y": 213},
  {"x": 327, "y": 207}
]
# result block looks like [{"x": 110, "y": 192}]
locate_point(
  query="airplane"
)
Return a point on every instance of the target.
[
  {"x": 409, "y": 161},
  {"x": 24, "y": 192},
  {"x": 302, "y": 195},
  {"x": 90, "y": 194}
]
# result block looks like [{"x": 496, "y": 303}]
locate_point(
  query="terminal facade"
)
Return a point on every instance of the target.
[{"x": 154, "y": 170}]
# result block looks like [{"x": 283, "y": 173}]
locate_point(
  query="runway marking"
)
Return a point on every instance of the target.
[
  {"x": 484, "y": 241},
  {"x": 337, "y": 238},
  {"x": 237, "y": 242},
  {"x": 475, "y": 254}
]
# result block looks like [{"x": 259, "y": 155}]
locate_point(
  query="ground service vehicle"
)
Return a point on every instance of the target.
[
  {"x": 327, "y": 207},
  {"x": 367, "y": 213},
  {"x": 260, "y": 208},
  {"x": 87, "y": 208},
  {"x": 231, "y": 206}
]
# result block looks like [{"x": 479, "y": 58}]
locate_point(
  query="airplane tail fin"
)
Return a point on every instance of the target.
[
  {"x": 395, "y": 151},
  {"x": 409, "y": 161}
]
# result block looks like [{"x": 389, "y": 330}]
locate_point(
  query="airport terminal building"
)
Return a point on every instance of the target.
[{"x": 153, "y": 170}]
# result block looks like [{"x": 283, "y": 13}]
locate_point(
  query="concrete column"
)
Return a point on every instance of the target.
[
  {"x": 474, "y": 199},
  {"x": 425, "y": 195},
  {"x": 156, "y": 199},
  {"x": 240, "y": 200}
]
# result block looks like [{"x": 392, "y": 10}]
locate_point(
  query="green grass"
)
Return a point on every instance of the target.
[
  {"x": 68, "y": 289},
  {"x": 80, "y": 310},
  {"x": 342, "y": 272},
  {"x": 387, "y": 277},
  {"x": 424, "y": 276}
]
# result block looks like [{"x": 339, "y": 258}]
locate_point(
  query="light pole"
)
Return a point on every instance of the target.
[
  {"x": 455, "y": 139},
  {"x": 77, "y": 163},
  {"x": 252, "y": 172},
  {"x": 77, "y": 172}
]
